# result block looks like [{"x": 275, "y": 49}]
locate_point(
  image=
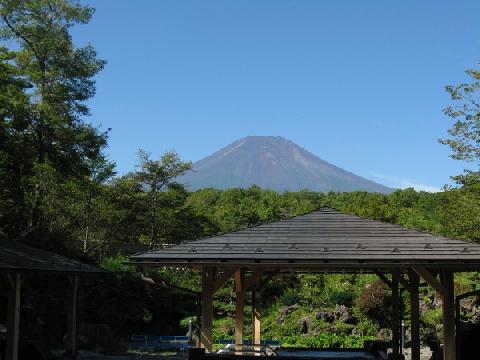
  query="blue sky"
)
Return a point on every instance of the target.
[{"x": 358, "y": 83}]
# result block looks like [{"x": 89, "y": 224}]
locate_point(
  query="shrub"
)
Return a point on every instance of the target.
[
  {"x": 290, "y": 297},
  {"x": 375, "y": 302},
  {"x": 327, "y": 340}
]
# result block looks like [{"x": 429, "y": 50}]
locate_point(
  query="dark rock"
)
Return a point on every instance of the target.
[
  {"x": 340, "y": 313},
  {"x": 343, "y": 314},
  {"x": 475, "y": 316},
  {"x": 305, "y": 325},
  {"x": 469, "y": 304},
  {"x": 284, "y": 311},
  {"x": 326, "y": 315}
]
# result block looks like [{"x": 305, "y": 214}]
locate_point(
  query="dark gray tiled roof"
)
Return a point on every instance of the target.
[
  {"x": 320, "y": 238},
  {"x": 17, "y": 257}
]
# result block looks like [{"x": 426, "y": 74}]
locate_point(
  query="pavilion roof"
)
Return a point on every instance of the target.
[
  {"x": 324, "y": 238},
  {"x": 17, "y": 257}
]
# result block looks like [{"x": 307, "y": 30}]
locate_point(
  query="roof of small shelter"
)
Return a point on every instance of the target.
[
  {"x": 17, "y": 257},
  {"x": 324, "y": 238}
]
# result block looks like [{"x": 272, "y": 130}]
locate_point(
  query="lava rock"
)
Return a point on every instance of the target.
[
  {"x": 326, "y": 315},
  {"x": 284, "y": 311},
  {"x": 343, "y": 314},
  {"x": 305, "y": 325}
]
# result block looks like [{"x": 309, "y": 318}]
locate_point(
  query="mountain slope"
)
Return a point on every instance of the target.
[{"x": 273, "y": 163}]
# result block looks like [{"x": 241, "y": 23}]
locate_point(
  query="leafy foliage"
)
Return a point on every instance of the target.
[{"x": 464, "y": 138}]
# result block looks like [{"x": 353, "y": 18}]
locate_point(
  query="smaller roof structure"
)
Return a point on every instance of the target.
[
  {"x": 17, "y": 257},
  {"x": 321, "y": 239}
]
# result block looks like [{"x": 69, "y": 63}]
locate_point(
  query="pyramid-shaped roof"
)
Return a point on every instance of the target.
[
  {"x": 17, "y": 257},
  {"x": 324, "y": 238}
]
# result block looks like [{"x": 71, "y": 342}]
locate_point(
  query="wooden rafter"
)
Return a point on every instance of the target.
[
  {"x": 404, "y": 282},
  {"x": 224, "y": 278},
  {"x": 253, "y": 279},
  {"x": 430, "y": 279},
  {"x": 385, "y": 280}
]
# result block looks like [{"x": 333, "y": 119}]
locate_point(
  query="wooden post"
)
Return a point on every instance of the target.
[
  {"x": 395, "y": 316},
  {"x": 198, "y": 304},
  {"x": 72, "y": 307},
  {"x": 448, "y": 307},
  {"x": 239, "y": 306},
  {"x": 256, "y": 313},
  {"x": 208, "y": 275},
  {"x": 414, "y": 314},
  {"x": 13, "y": 316}
]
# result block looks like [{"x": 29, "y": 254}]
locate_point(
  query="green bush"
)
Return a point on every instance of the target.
[
  {"x": 117, "y": 264},
  {"x": 290, "y": 297},
  {"x": 432, "y": 317},
  {"x": 326, "y": 340}
]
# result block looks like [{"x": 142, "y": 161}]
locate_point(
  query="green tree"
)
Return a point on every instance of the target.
[
  {"x": 156, "y": 176},
  {"x": 464, "y": 140},
  {"x": 14, "y": 143},
  {"x": 60, "y": 77}
]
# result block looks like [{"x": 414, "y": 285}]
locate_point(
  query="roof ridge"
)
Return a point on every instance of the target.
[
  {"x": 240, "y": 229},
  {"x": 406, "y": 228}
]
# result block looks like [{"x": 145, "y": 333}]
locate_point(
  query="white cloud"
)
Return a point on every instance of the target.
[{"x": 403, "y": 183}]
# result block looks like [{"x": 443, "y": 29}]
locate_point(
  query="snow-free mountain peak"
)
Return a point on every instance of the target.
[{"x": 273, "y": 162}]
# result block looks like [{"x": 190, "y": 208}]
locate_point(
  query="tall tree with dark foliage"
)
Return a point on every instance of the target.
[{"x": 56, "y": 141}]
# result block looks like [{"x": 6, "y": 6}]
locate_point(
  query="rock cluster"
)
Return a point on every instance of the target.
[{"x": 340, "y": 313}]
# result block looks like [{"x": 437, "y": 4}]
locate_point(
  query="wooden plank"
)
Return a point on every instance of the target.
[
  {"x": 430, "y": 279},
  {"x": 256, "y": 313},
  {"x": 395, "y": 316},
  {"x": 414, "y": 315},
  {"x": 239, "y": 306},
  {"x": 253, "y": 279},
  {"x": 403, "y": 281},
  {"x": 206, "y": 340},
  {"x": 385, "y": 280},
  {"x": 227, "y": 275},
  {"x": 72, "y": 307},
  {"x": 448, "y": 312},
  {"x": 13, "y": 316}
]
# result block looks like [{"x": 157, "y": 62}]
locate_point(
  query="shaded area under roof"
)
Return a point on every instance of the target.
[
  {"x": 322, "y": 238},
  {"x": 17, "y": 257}
]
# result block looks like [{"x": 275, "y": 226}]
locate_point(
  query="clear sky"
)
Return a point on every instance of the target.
[{"x": 358, "y": 83}]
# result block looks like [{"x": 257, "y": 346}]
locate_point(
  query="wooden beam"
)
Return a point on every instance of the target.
[
  {"x": 256, "y": 313},
  {"x": 223, "y": 279},
  {"x": 414, "y": 314},
  {"x": 448, "y": 312},
  {"x": 253, "y": 279},
  {"x": 13, "y": 316},
  {"x": 385, "y": 280},
  {"x": 239, "y": 306},
  {"x": 395, "y": 316},
  {"x": 430, "y": 279},
  {"x": 403, "y": 282},
  {"x": 72, "y": 307},
  {"x": 208, "y": 276},
  {"x": 168, "y": 285}
]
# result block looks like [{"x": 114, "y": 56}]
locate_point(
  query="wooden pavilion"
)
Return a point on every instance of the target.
[
  {"x": 18, "y": 261},
  {"x": 325, "y": 240}
]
